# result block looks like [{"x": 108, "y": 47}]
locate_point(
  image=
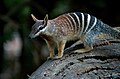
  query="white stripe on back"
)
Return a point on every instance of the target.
[
  {"x": 82, "y": 23},
  {"x": 88, "y": 21},
  {"x": 77, "y": 20},
  {"x": 92, "y": 25}
]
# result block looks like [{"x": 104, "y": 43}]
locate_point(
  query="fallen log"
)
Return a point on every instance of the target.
[{"x": 102, "y": 62}]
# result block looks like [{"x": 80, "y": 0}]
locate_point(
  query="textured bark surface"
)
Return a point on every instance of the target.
[{"x": 102, "y": 62}]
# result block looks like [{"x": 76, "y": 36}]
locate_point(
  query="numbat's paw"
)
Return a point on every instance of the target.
[
  {"x": 57, "y": 57},
  {"x": 49, "y": 58}
]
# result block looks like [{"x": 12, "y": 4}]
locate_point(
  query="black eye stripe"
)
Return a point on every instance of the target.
[
  {"x": 40, "y": 28},
  {"x": 36, "y": 31},
  {"x": 39, "y": 25}
]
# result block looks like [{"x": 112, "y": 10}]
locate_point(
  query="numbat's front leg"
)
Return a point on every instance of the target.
[
  {"x": 50, "y": 48},
  {"x": 71, "y": 48},
  {"x": 60, "y": 47}
]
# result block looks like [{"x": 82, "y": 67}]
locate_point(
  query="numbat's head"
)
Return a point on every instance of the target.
[{"x": 38, "y": 27}]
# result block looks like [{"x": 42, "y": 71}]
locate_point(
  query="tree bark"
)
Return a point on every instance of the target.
[{"x": 102, "y": 62}]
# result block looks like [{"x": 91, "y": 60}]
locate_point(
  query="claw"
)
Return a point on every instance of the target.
[
  {"x": 56, "y": 57},
  {"x": 49, "y": 58}
]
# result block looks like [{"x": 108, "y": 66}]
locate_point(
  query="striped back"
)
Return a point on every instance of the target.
[{"x": 76, "y": 23}]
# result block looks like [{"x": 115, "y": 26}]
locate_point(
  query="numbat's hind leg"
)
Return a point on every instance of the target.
[
  {"x": 50, "y": 48},
  {"x": 76, "y": 43},
  {"x": 85, "y": 49},
  {"x": 72, "y": 47}
]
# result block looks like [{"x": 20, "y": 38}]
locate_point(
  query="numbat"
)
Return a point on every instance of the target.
[{"x": 70, "y": 26}]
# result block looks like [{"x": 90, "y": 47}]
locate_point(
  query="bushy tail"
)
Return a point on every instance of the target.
[{"x": 110, "y": 31}]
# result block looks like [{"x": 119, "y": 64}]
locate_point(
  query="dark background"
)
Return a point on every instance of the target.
[{"x": 27, "y": 55}]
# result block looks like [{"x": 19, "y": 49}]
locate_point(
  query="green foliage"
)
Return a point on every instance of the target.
[
  {"x": 61, "y": 7},
  {"x": 24, "y": 12},
  {"x": 12, "y": 3}
]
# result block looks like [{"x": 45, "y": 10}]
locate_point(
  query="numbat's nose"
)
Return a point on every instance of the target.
[{"x": 30, "y": 36}]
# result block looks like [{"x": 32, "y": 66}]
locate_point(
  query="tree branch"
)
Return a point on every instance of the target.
[{"x": 102, "y": 62}]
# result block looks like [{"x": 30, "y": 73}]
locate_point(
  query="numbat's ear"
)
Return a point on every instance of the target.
[
  {"x": 46, "y": 20},
  {"x": 34, "y": 18}
]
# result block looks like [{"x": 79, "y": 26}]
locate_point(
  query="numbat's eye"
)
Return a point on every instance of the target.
[{"x": 40, "y": 28}]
